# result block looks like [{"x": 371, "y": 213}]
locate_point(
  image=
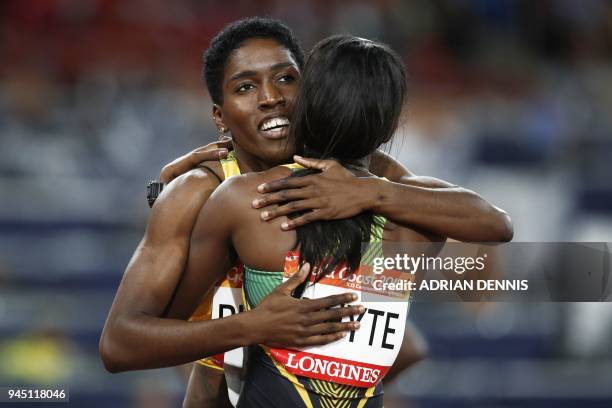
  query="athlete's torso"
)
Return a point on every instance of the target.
[
  {"x": 263, "y": 259},
  {"x": 269, "y": 369}
]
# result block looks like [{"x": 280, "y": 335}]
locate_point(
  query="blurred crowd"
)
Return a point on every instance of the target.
[{"x": 510, "y": 98}]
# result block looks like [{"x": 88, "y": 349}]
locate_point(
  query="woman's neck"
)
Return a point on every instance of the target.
[{"x": 249, "y": 163}]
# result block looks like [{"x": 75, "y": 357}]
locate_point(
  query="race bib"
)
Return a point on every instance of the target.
[
  {"x": 363, "y": 357},
  {"x": 227, "y": 301}
]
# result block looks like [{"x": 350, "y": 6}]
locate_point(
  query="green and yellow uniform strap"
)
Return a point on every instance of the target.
[{"x": 230, "y": 165}]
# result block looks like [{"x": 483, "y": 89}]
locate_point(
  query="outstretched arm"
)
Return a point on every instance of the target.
[
  {"x": 130, "y": 339},
  {"x": 418, "y": 202},
  {"x": 438, "y": 206},
  {"x": 445, "y": 209}
]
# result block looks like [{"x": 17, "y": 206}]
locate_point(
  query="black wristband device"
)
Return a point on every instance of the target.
[{"x": 154, "y": 188}]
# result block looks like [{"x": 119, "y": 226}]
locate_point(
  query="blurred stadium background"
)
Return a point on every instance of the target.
[{"x": 511, "y": 98}]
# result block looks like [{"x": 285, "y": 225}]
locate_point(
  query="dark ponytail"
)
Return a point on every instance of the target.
[
  {"x": 328, "y": 244},
  {"x": 349, "y": 103}
]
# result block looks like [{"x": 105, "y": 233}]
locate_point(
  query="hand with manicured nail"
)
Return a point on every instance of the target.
[
  {"x": 333, "y": 194},
  {"x": 283, "y": 321}
]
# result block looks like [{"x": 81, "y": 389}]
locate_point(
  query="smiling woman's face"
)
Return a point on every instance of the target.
[{"x": 259, "y": 86}]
